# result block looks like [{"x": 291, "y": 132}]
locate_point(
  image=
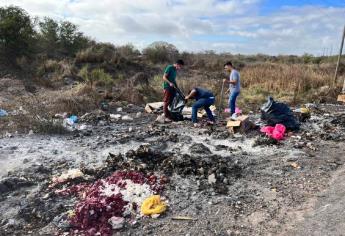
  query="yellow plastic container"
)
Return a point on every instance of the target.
[{"x": 153, "y": 205}]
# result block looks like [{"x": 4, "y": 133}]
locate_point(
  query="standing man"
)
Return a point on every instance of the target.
[
  {"x": 205, "y": 99},
  {"x": 170, "y": 86},
  {"x": 235, "y": 87}
]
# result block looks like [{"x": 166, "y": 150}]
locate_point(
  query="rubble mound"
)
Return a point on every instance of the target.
[{"x": 225, "y": 169}]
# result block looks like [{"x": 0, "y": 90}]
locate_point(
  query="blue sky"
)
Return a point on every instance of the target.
[
  {"x": 235, "y": 26},
  {"x": 269, "y": 6}
]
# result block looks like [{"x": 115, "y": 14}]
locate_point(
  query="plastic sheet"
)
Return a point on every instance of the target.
[{"x": 276, "y": 132}]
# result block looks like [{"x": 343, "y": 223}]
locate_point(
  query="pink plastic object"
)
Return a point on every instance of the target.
[
  {"x": 238, "y": 111},
  {"x": 276, "y": 132}
]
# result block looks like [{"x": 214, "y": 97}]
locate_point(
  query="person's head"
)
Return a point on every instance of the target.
[
  {"x": 179, "y": 64},
  {"x": 228, "y": 66}
]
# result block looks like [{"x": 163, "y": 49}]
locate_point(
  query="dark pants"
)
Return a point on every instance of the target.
[
  {"x": 169, "y": 95},
  {"x": 232, "y": 102},
  {"x": 205, "y": 103}
]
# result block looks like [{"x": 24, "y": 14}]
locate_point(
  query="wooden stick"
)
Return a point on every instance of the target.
[
  {"x": 221, "y": 101},
  {"x": 337, "y": 68}
]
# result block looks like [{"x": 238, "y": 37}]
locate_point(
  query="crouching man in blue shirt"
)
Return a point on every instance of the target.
[{"x": 204, "y": 98}]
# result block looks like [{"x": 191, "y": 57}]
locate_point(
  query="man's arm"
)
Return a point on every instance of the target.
[
  {"x": 191, "y": 95},
  {"x": 228, "y": 81},
  {"x": 165, "y": 78}
]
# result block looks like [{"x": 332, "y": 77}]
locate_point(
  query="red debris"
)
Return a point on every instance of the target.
[{"x": 93, "y": 212}]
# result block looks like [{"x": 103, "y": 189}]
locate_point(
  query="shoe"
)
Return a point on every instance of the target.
[
  {"x": 196, "y": 125},
  {"x": 234, "y": 116}
]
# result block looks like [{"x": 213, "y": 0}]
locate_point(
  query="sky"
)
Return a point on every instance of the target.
[{"x": 234, "y": 26}]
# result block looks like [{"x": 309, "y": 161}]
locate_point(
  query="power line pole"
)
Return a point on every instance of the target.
[{"x": 337, "y": 68}]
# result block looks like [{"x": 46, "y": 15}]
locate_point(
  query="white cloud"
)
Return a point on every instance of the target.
[{"x": 197, "y": 25}]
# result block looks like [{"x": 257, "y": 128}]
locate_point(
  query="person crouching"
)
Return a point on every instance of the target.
[{"x": 204, "y": 98}]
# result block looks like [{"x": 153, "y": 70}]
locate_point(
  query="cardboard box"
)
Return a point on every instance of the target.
[
  {"x": 242, "y": 125},
  {"x": 341, "y": 98}
]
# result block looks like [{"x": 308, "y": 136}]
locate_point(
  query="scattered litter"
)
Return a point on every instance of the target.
[
  {"x": 154, "y": 107},
  {"x": 153, "y": 205},
  {"x": 69, "y": 175},
  {"x": 311, "y": 146},
  {"x": 295, "y": 165},
  {"x": 212, "y": 179},
  {"x": 104, "y": 106},
  {"x": 160, "y": 119},
  {"x": 182, "y": 218},
  {"x": 138, "y": 115},
  {"x": 119, "y": 109},
  {"x": 126, "y": 118},
  {"x": 3, "y": 113},
  {"x": 303, "y": 114},
  {"x": 61, "y": 115},
  {"x": 115, "y": 116},
  {"x": 276, "y": 132},
  {"x": 116, "y": 222}
]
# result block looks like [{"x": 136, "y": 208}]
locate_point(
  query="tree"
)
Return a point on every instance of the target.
[
  {"x": 71, "y": 40},
  {"x": 16, "y": 33},
  {"x": 49, "y": 36}
]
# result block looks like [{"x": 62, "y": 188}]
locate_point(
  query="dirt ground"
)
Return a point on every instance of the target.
[{"x": 294, "y": 187}]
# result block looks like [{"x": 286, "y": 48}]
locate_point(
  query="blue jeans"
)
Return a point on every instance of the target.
[
  {"x": 205, "y": 103},
  {"x": 232, "y": 101}
]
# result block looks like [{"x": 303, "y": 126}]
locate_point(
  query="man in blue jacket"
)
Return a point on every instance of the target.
[{"x": 204, "y": 98}]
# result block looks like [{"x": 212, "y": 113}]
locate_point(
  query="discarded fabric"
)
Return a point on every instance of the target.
[
  {"x": 3, "y": 113},
  {"x": 276, "y": 132},
  {"x": 153, "y": 205},
  {"x": 70, "y": 174},
  {"x": 127, "y": 118}
]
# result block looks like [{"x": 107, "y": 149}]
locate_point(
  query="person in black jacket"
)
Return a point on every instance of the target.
[{"x": 204, "y": 98}]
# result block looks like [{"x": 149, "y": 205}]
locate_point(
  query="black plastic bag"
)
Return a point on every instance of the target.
[
  {"x": 279, "y": 113},
  {"x": 177, "y": 105}
]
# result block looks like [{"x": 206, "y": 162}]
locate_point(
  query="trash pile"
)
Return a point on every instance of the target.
[
  {"x": 110, "y": 203},
  {"x": 273, "y": 113},
  {"x": 201, "y": 165}
]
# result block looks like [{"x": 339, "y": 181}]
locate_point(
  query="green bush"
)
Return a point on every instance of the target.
[
  {"x": 161, "y": 52},
  {"x": 127, "y": 51},
  {"x": 101, "y": 77},
  {"x": 97, "y": 53},
  {"x": 98, "y": 76}
]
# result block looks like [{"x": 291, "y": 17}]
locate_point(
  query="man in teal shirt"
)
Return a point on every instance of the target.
[{"x": 170, "y": 86}]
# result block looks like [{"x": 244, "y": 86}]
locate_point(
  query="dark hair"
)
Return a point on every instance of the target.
[
  {"x": 180, "y": 62},
  {"x": 229, "y": 63}
]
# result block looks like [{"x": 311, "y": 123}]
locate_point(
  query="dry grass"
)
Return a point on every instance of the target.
[
  {"x": 37, "y": 111},
  {"x": 291, "y": 83}
]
